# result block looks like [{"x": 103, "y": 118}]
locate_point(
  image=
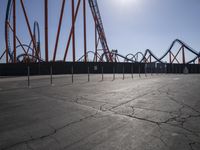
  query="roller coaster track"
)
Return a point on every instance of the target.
[
  {"x": 169, "y": 51},
  {"x": 36, "y": 34},
  {"x": 7, "y": 38},
  {"x": 148, "y": 54},
  {"x": 99, "y": 26},
  {"x": 34, "y": 53}
]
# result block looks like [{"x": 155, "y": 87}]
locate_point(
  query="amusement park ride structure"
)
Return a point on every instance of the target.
[{"x": 32, "y": 51}]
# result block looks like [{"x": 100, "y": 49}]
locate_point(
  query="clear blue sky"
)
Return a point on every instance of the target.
[{"x": 130, "y": 25}]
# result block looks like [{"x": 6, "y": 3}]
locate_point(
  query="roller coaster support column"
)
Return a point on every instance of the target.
[
  {"x": 73, "y": 33},
  {"x": 85, "y": 31},
  {"x": 14, "y": 30},
  {"x": 96, "y": 42},
  {"x": 58, "y": 32},
  {"x": 28, "y": 24},
  {"x": 46, "y": 30},
  {"x": 20, "y": 43},
  {"x": 183, "y": 55}
]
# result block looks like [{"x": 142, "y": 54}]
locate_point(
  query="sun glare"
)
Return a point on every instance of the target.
[{"x": 126, "y": 2}]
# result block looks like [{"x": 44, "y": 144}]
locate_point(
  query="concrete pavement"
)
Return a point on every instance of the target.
[{"x": 159, "y": 112}]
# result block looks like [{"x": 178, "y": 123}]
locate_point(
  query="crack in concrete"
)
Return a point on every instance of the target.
[
  {"x": 128, "y": 101},
  {"x": 159, "y": 138},
  {"x": 159, "y": 124},
  {"x": 95, "y": 132},
  {"x": 176, "y": 116},
  {"x": 28, "y": 146},
  {"x": 49, "y": 134}
]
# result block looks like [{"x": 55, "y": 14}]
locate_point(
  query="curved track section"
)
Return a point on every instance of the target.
[
  {"x": 7, "y": 34},
  {"x": 32, "y": 52},
  {"x": 81, "y": 59},
  {"x": 34, "y": 55},
  {"x": 134, "y": 58},
  {"x": 169, "y": 51}
]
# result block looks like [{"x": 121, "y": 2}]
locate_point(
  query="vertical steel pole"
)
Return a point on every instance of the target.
[
  {"x": 72, "y": 72},
  {"x": 102, "y": 72},
  {"x": 58, "y": 31},
  {"x": 51, "y": 75},
  {"x": 139, "y": 70},
  {"x": 88, "y": 74},
  {"x": 132, "y": 70},
  {"x": 85, "y": 30},
  {"x": 123, "y": 73},
  {"x": 46, "y": 31},
  {"x": 113, "y": 72},
  {"x": 145, "y": 69},
  {"x": 14, "y": 30},
  {"x": 73, "y": 33},
  {"x": 28, "y": 75}
]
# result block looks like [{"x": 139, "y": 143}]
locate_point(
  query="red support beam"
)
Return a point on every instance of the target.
[
  {"x": 175, "y": 57},
  {"x": 46, "y": 30},
  {"x": 85, "y": 30},
  {"x": 58, "y": 32},
  {"x": 96, "y": 42},
  {"x": 20, "y": 43},
  {"x": 71, "y": 31},
  {"x": 14, "y": 31},
  {"x": 28, "y": 25},
  {"x": 33, "y": 52}
]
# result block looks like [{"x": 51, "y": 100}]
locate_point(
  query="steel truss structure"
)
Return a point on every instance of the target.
[{"x": 32, "y": 50}]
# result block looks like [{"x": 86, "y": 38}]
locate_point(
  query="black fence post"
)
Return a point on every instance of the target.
[
  {"x": 88, "y": 74},
  {"x": 72, "y": 73},
  {"x": 102, "y": 73},
  {"x": 123, "y": 72},
  {"x": 51, "y": 75},
  {"x": 28, "y": 75},
  {"x": 113, "y": 72}
]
